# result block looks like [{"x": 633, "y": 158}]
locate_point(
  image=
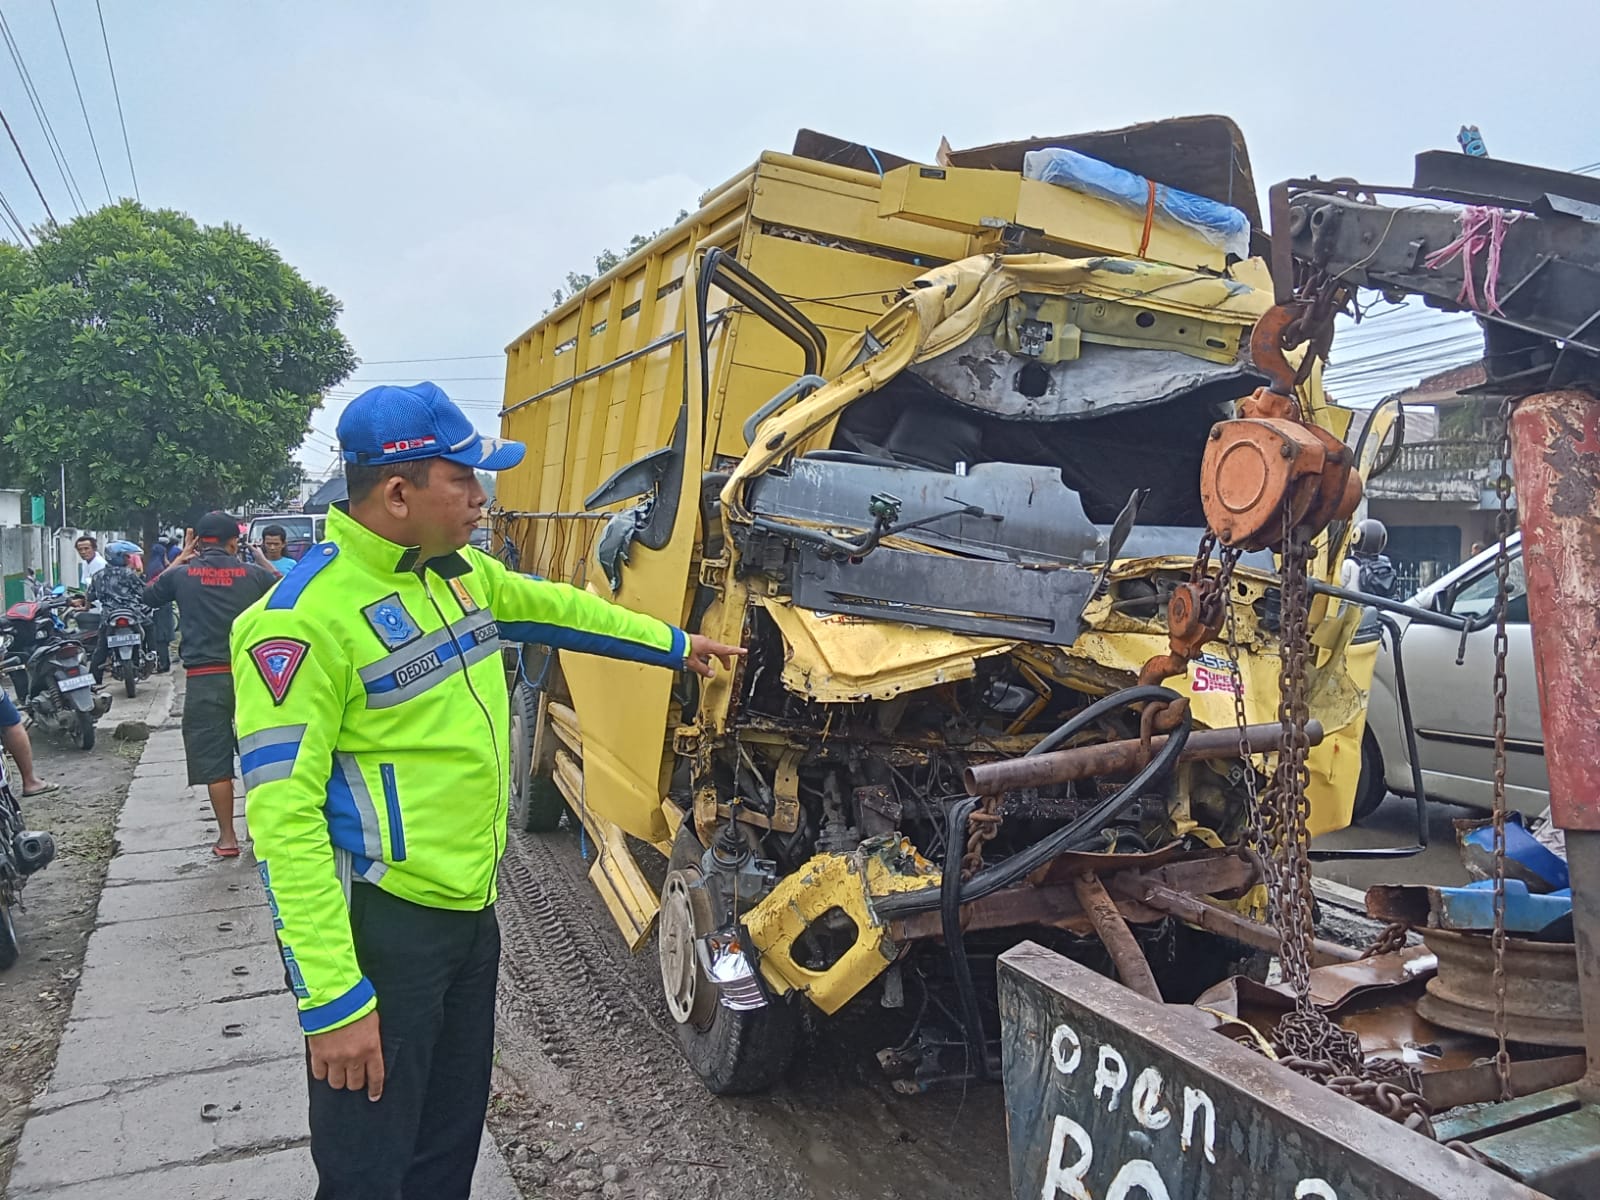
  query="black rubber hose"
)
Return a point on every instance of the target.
[
  {"x": 1404, "y": 696},
  {"x": 952, "y": 893},
  {"x": 950, "y": 923},
  {"x": 1003, "y": 874},
  {"x": 1116, "y": 700},
  {"x": 1022, "y": 863}
]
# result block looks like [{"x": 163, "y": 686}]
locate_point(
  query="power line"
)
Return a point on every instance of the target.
[
  {"x": 389, "y": 362},
  {"x": 13, "y": 222},
  {"x": 82, "y": 107},
  {"x": 117, "y": 92},
  {"x": 437, "y": 379},
  {"x": 57, "y": 151},
  {"x": 17, "y": 146}
]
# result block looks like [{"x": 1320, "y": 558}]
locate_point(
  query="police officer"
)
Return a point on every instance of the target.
[{"x": 373, "y": 734}]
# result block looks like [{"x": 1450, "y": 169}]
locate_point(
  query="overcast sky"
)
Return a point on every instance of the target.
[{"x": 441, "y": 166}]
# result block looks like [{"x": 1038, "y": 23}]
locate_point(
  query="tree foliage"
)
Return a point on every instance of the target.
[
  {"x": 172, "y": 367},
  {"x": 605, "y": 260}
]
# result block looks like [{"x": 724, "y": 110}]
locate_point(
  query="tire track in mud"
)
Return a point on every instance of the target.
[
  {"x": 554, "y": 952},
  {"x": 611, "y": 1059},
  {"x": 568, "y": 980}
]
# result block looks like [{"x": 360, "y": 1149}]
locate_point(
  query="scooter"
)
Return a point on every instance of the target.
[
  {"x": 23, "y": 852},
  {"x": 51, "y": 670}
]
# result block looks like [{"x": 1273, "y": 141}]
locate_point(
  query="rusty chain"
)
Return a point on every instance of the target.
[
  {"x": 1307, "y": 1032},
  {"x": 1230, "y": 560},
  {"x": 1392, "y": 938},
  {"x": 1277, "y": 820},
  {"x": 1310, "y": 1042},
  {"x": 985, "y": 821},
  {"x": 1502, "y": 573}
]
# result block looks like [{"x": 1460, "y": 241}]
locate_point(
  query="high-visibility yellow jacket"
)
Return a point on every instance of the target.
[{"x": 373, "y": 734}]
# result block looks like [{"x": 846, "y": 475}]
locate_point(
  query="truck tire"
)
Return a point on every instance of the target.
[
  {"x": 1372, "y": 787},
  {"x": 536, "y": 802},
  {"x": 733, "y": 1053}
]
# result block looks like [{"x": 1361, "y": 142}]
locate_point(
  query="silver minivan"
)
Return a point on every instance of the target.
[{"x": 1452, "y": 707}]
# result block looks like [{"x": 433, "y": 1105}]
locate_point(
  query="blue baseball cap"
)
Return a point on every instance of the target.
[{"x": 389, "y": 424}]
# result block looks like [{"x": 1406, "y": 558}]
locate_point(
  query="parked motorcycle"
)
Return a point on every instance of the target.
[
  {"x": 50, "y": 670},
  {"x": 130, "y": 656},
  {"x": 23, "y": 851}
]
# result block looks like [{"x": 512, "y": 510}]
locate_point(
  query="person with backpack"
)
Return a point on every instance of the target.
[{"x": 1368, "y": 568}]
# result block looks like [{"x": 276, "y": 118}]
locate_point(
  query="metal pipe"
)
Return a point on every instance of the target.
[
  {"x": 1231, "y": 925},
  {"x": 1422, "y": 616},
  {"x": 1119, "y": 758},
  {"x": 1133, "y": 969},
  {"x": 1556, "y": 453}
]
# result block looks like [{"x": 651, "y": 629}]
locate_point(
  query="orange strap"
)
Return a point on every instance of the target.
[{"x": 1149, "y": 216}]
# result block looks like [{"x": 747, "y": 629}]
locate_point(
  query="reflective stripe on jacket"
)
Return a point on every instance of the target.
[{"x": 373, "y": 723}]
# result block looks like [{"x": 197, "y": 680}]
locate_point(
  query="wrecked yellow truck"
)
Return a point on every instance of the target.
[{"x": 927, "y": 440}]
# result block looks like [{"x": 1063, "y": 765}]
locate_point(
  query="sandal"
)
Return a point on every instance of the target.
[
  {"x": 40, "y": 790},
  {"x": 225, "y": 851}
]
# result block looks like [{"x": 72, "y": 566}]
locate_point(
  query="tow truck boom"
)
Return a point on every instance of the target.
[{"x": 1114, "y": 1095}]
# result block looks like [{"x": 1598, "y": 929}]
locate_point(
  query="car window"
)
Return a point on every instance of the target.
[
  {"x": 297, "y": 529},
  {"x": 1476, "y": 599}
]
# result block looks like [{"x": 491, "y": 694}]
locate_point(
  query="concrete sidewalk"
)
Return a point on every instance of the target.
[{"x": 181, "y": 1072}]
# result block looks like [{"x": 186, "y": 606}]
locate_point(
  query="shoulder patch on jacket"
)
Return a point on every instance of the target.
[
  {"x": 287, "y": 590},
  {"x": 391, "y": 622},
  {"x": 278, "y": 658}
]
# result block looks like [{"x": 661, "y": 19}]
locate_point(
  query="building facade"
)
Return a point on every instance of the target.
[{"x": 1437, "y": 499}]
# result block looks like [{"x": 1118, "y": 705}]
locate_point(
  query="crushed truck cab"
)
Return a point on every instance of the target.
[{"x": 927, "y": 442}]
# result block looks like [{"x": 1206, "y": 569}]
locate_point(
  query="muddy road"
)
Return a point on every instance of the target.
[
  {"x": 36, "y": 993},
  {"x": 592, "y": 1096}
]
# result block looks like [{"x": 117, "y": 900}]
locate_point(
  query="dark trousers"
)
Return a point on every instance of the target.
[
  {"x": 434, "y": 972},
  {"x": 166, "y": 629}
]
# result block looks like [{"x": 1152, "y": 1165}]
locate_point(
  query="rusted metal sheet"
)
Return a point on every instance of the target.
[
  {"x": 1119, "y": 758},
  {"x": 1470, "y": 908},
  {"x": 1113, "y": 1096},
  {"x": 1480, "y": 1082}
]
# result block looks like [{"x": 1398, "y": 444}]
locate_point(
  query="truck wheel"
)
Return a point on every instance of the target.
[
  {"x": 536, "y": 802},
  {"x": 8, "y": 938},
  {"x": 734, "y": 1053},
  {"x": 1372, "y": 787},
  {"x": 85, "y": 731}
]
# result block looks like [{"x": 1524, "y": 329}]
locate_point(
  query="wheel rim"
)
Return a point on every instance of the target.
[{"x": 691, "y": 997}]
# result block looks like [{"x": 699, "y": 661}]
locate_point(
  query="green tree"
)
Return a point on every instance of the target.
[
  {"x": 605, "y": 260},
  {"x": 172, "y": 367}
]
